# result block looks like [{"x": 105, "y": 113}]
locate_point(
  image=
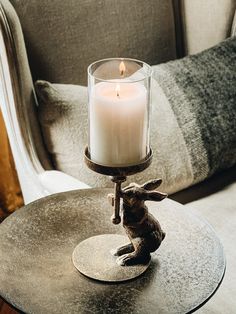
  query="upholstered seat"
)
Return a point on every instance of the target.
[{"x": 56, "y": 41}]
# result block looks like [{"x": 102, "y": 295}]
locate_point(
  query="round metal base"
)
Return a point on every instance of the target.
[{"x": 93, "y": 258}]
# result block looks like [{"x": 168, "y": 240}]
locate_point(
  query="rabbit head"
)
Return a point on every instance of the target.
[{"x": 135, "y": 195}]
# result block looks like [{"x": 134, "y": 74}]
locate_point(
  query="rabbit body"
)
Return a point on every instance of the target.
[
  {"x": 142, "y": 228},
  {"x": 148, "y": 229}
]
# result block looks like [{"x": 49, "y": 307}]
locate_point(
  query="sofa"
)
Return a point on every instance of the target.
[{"x": 56, "y": 40}]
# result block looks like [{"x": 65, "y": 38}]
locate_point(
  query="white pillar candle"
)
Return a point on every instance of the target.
[{"x": 118, "y": 123}]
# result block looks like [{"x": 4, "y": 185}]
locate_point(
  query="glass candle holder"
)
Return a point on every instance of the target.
[{"x": 119, "y": 111}]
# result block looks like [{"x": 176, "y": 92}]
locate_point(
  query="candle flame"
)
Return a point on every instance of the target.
[
  {"x": 122, "y": 68},
  {"x": 118, "y": 90}
]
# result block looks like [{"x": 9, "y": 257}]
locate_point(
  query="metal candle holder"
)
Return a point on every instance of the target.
[
  {"x": 119, "y": 112},
  {"x": 118, "y": 176},
  {"x": 135, "y": 256}
]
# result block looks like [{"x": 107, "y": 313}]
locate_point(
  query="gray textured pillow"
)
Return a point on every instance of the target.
[
  {"x": 201, "y": 90},
  {"x": 193, "y": 121}
]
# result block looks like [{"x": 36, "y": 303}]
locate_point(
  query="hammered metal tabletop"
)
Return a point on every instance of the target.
[{"x": 37, "y": 274}]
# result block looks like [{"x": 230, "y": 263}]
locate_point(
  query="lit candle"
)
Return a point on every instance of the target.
[{"x": 118, "y": 122}]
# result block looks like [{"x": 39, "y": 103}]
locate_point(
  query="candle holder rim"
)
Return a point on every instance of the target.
[
  {"x": 124, "y": 80},
  {"x": 117, "y": 171}
]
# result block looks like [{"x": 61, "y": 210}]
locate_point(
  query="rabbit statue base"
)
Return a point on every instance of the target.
[
  {"x": 93, "y": 259},
  {"x": 108, "y": 257},
  {"x": 97, "y": 257}
]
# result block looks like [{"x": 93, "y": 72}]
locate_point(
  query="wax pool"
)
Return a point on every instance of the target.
[{"x": 118, "y": 123}]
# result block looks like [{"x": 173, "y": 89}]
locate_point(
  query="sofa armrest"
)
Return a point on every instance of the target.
[
  {"x": 55, "y": 181},
  {"x": 18, "y": 106}
]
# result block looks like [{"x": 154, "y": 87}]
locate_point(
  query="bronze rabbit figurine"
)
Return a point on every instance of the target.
[{"x": 143, "y": 230}]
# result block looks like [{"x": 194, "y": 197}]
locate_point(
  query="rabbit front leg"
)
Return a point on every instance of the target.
[
  {"x": 128, "y": 248},
  {"x": 140, "y": 255}
]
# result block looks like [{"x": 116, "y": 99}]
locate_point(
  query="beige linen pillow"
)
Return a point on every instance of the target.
[{"x": 64, "y": 122}]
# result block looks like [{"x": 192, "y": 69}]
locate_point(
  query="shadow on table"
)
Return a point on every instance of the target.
[{"x": 124, "y": 297}]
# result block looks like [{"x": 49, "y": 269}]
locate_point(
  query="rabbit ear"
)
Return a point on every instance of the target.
[
  {"x": 155, "y": 196},
  {"x": 152, "y": 184},
  {"x": 130, "y": 186}
]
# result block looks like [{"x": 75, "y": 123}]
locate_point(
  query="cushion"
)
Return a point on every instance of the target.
[
  {"x": 192, "y": 122},
  {"x": 64, "y": 119},
  {"x": 202, "y": 94},
  {"x": 60, "y": 35}
]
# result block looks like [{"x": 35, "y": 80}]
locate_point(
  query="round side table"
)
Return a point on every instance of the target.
[{"x": 37, "y": 274}]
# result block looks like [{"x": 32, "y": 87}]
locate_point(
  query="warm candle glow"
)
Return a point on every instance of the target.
[
  {"x": 122, "y": 68},
  {"x": 118, "y": 90}
]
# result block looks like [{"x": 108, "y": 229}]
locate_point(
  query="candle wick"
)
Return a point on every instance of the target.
[
  {"x": 122, "y": 73},
  {"x": 117, "y": 94}
]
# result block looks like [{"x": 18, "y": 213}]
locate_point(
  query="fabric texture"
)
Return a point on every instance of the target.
[
  {"x": 206, "y": 23},
  {"x": 201, "y": 91},
  {"x": 25, "y": 108},
  {"x": 68, "y": 36},
  {"x": 193, "y": 130}
]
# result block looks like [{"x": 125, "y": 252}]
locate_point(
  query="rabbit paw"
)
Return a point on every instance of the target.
[
  {"x": 132, "y": 259},
  {"x": 114, "y": 252},
  {"x": 124, "y": 260},
  {"x": 128, "y": 248}
]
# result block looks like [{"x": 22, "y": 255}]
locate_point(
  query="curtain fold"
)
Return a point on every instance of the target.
[{"x": 10, "y": 193}]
